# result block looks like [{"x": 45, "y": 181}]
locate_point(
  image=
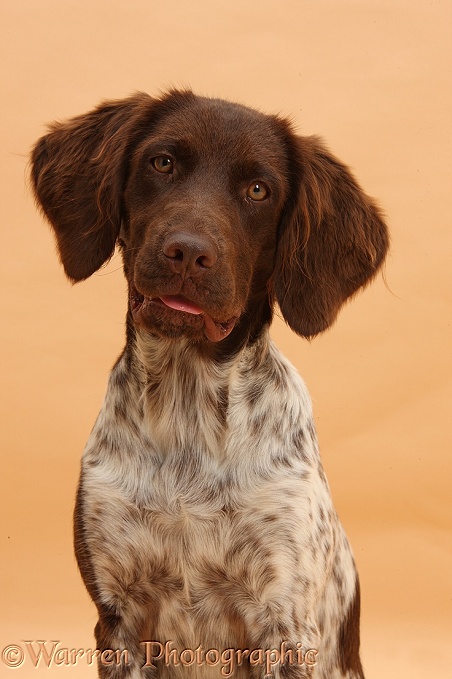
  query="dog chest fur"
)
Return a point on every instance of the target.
[{"x": 205, "y": 509}]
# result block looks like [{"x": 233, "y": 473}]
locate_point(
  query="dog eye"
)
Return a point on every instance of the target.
[
  {"x": 257, "y": 191},
  {"x": 163, "y": 164}
]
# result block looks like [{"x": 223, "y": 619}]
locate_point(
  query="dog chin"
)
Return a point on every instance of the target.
[{"x": 173, "y": 318}]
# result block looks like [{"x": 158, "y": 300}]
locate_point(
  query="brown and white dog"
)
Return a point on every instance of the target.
[{"x": 203, "y": 521}]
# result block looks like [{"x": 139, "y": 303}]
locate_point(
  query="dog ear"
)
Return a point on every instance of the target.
[
  {"x": 78, "y": 171},
  {"x": 332, "y": 240}
]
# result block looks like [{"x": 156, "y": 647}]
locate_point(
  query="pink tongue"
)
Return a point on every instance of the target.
[{"x": 181, "y": 304}]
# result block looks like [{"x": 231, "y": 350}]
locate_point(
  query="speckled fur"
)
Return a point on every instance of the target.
[
  {"x": 203, "y": 515},
  {"x": 222, "y": 530}
]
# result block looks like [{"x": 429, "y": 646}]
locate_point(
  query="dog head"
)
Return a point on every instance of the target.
[{"x": 219, "y": 211}]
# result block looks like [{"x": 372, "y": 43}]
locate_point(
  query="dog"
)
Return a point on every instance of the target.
[{"x": 204, "y": 527}]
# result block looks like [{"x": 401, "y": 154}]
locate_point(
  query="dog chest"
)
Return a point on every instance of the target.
[{"x": 196, "y": 548}]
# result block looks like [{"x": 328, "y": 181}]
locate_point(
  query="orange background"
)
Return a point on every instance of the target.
[{"x": 371, "y": 77}]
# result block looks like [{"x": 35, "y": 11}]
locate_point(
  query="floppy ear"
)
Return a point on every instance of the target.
[
  {"x": 78, "y": 172},
  {"x": 332, "y": 240}
]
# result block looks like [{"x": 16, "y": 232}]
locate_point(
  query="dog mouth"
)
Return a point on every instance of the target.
[{"x": 176, "y": 315}]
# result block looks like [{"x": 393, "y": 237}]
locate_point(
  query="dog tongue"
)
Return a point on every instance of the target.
[{"x": 181, "y": 304}]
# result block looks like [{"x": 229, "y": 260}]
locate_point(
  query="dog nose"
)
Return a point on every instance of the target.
[{"x": 189, "y": 254}]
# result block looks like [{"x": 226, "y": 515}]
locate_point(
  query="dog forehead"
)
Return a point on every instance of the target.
[{"x": 223, "y": 128}]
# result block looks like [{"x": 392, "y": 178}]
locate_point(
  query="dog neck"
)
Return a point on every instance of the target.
[
  {"x": 169, "y": 402},
  {"x": 185, "y": 391}
]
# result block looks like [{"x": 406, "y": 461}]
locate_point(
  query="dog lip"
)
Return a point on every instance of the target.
[
  {"x": 215, "y": 331},
  {"x": 136, "y": 299},
  {"x": 176, "y": 302}
]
